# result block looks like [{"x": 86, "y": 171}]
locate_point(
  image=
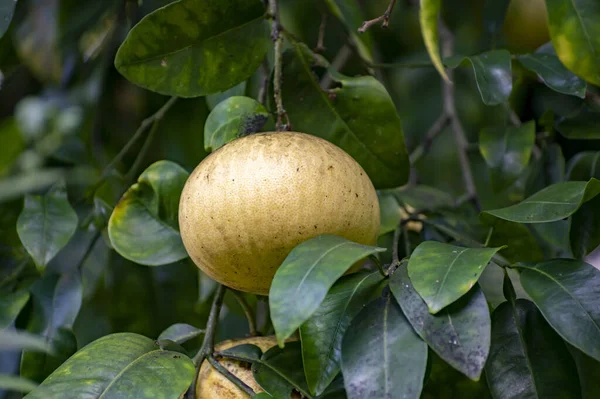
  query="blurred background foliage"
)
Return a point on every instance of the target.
[{"x": 65, "y": 112}]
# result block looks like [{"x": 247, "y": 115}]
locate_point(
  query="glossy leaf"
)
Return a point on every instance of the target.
[
  {"x": 323, "y": 332},
  {"x": 423, "y": 197},
  {"x": 180, "y": 333},
  {"x": 553, "y": 73},
  {"x": 46, "y": 225},
  {"x": 212, "y": 100},
  {"x": 349, "y": 13},
  {"x": 280, "y": 370},
  {"x": 235, "y": 117},
  {"x": 117, "y": 366},
  {"x": 192, "y": 48},
  {"x": 584, "y": 165},
  {"x": 144, "y": 227},
  {"x": 459, "y": 334},
  {"x": 7, "y": 9},
  {"x": 306, "y": 275},
  {"x": 566, "y": 292},
  {"x": 527, "y": 358},
  {"x": 245, "y": 352},
  {"x": 21, "y": 340},
  {"x": 346, "y": 116},
  {"x": 589, "y": 370},
  {"x": 581, "y": 124},
  {"x": 575, "y": 33},
  {"x": 428, "y": 16},
  {"x": 442, "y": 273},
  {"x": 382, "y": 357},
  {"x": 553, "y": 203},
  {"x": 16, "y": 384},
  {"x": 10, "y": 307},
  {"x": 507, "y": 151},
  {"x": 493, "y": 74},
  {"x": 390, "y": 212}
]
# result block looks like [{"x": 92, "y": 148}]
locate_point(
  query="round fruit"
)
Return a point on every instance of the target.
[
  {"x": 214, "y": 385},
  {"x": 526, "y": 25},
  {"x": 248, "y": 204}
]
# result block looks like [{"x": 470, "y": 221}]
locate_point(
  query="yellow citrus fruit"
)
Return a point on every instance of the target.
[
  {"x": 248, "y": 204},
  {"x": 213, "y": 385},
  {"x": 526, "y": 25}
]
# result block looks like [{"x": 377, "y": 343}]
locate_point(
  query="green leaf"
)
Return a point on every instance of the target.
[
  {"x": 390, "y": 212},
  {"x": 347, "y": 116},
  {"x": 494, "y": 12},
  {"x": 323, "y": 332},
  {"x": 17, "y": 384},
  {"x": 233, "y": 118},
  {"x": 521, "y": 245},
  {"x": 118, "y": 366},
  {"x": 589, "y": 370},
  {"x": 349, "y": 13},
  {"x": 262, "y": 395},
  {"x": 143, "y": 226},
  {"x": 382, "y": 357},
  {"x": 527, "y": 358},
  {"x": 581, "y": 124},
  {"x": 459, "y": 334},
  {"x": 21, "y": 340},
  {"x": 546, "y": 170},
  {"x": 191, "y": 48},
  {"x": 10, "y": 307},
  {"x": 280, "y": 370},
  {"x": 553, "y": 73},
  {"x": 7, "y": 9},
  {"x": 567, "y": 291},
  {"x": 442, "y": 273},
  {"x": 180, "y": 333},
  {"x": 507, "y": 151},
  {"x": 428, "y": 16},
  {"x": 245, "y": 353},
  {"x": 46, "y": 225},
  {"x": 493, "y": 74},
  {"x": 56, "y": 304},
  {"x": 11, "y": 136},
  {"x": 303, "y": 280},
  {"x": 584, "y": 165},
  {"x": 213, "y": 100},
  {"x": 553, "y": 203},
  {"x": 575, "y": 33}
]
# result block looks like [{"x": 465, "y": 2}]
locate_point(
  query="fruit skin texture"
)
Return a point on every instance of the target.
[
  {"x": 213, "y": 385},
  {"x": 248, "y": 204},
  {"x": 526, "y": 25}
]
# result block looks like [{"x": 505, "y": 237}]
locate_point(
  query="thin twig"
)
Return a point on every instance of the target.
[
  {"x": 377, "y": 262},
  {"x": 384, "y": 19},
  {"x": 265, "y": 75},
  {"x": 231, "y": 377},
  {"x": 321, "y": 39},
  {"x": 450, "y": 109},
  {"x": 277, "y": 79},
  {"x": 248, "y": 312},
  {"x": 435, "y": 129},
  {"x": 133, "y": 171},
  {"x": 89, "y": 249}
]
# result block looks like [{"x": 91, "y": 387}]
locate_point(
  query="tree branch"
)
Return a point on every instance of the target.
[
  {"x": 435, "y": 129},
  {"x": 231, "y": 377},
  {"x": 384, "y": 19},
  {"x": 262, "y": 91},
  {"x": 277, "y": 79}
]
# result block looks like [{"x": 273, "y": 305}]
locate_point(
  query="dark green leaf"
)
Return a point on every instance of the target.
[
  {"x": 7, "y": 8},
  {"x": 302, "y": 281},
  {"x": 235, "y": 117},
  {"x": 191, "y": 48},
  {"x": 180, "y": 333},
  {"x": 10, "y": 307},
  {"x": 17, "y": 384},
  {"x": 423, "y": 197},
  {"x": 20, "y": 340},
  {"x": 589, "y": 370},
  {"x": 567, "y": 291},
  {"x": 442, "y": 273},
  {"x": 553, "y": 203},
  {"x": 349, "y": 13},
  {"x": 553, "y": 73},
  {"x": 428, "y": 16},
  {"x": 581, "y": 124},
  {"x": 527, "y": 358},
  {"x": 120, "y": 365},
  {"x": 262, "y": 395},
  {"x": 575, "y": 33},
  {"x": 546, "y": 170},
  {"x": 346, "y": 116},
  {"x": 390, "y": 212},
  {"x": 213, "y": 100},
  {"x": 246, "y": 353},
  {"x": 521, "y": 245},
  {"x": 11, "y": 136},
  {"x": 323, "y": 332},
  {"x": 168, "y": 345},
  {"x": 584, "y": 165},
  {"x": 507, "y": 151},
  {"x": 143, "y": 227},
  {"x": 494, "y": 12},
  {"x": 382, "y": 357},
  {"x": 493, "y": 74},
  {"x": 46, "y": 225},
  {"x": 459, "y": 334},
  {"x": 280, "y": 370}
]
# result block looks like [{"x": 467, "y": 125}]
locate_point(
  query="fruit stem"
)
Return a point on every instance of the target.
[{"x": 248, "y": 312}]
